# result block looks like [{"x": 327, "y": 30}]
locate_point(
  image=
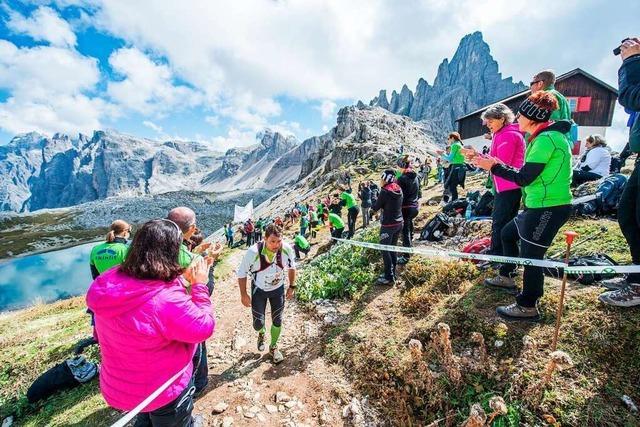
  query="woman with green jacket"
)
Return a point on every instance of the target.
[{"x": 545, "y": 179}]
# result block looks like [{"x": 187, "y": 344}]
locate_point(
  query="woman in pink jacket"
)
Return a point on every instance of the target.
[
  {"x": 508, "y": 146},
  {"x": 148, "y": 326}
]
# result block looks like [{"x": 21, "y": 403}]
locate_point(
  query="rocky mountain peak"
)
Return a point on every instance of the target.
[{"x": 466, "y": 82}]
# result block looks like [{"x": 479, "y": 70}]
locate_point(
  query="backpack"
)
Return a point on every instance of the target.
[
  {"x": 478, "y": 246},
  {"x": 484, "y": 207},
  {"x": 248, "y": 227},
  {"x": 609, "y": 193},
  {"x": 264, "y": 263},
  {"x": 456, "y": 207},
  {"x": 435, "y": 228},
  {"x": 616, "y": 165},
  {"x": 588, "y": 260}
]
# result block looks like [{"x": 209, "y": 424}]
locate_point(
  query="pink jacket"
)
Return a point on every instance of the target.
[
  {"x": 508, "y": 146},
  {"x": 148, "y": 331}
]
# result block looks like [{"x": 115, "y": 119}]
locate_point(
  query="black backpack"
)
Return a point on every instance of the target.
[
  {"x": 68, "y": 374},
  {"x": 436, "y": 227},
  {"x": 485, "y": 205},
  {"x": 588, "y": 260},
  {"x": 458, "y": 206}
]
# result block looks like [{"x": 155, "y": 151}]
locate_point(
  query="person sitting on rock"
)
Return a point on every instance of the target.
[{"x": 595, "y": 162}]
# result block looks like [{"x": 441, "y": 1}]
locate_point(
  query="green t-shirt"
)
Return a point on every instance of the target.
[
  {"x": 314, "y": 216},
  {"x": 320, "y": 208},
  {"x": 107, "y": 255},
  {"x": 349, "y": 199},
  {"x": 563, "y": 112},
  {"x": 301, "y": 241},
  {"x": 456, "y": 156},
  {"x": 336, "y": 221},
  {"x": 551, "y": 187},
  {"x": 304, "y": 222}
]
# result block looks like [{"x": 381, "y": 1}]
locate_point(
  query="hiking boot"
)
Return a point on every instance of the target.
[
  {"x": 501, "y": 282},
  {"x": 615, "y": 284},
  {"x": 261, "y": 346},
  {"x": 625, "y": 297},
  {"x": 403, "y": 260},
  {"x": 276, "y": 355},
  {"x": 517, "y": 312},
  {"x": 385, "y": 282}
]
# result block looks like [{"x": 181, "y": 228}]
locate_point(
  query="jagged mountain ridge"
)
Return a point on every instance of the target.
[
  {"x": 470, "y": 80},
  {"x": 38, "y": 172}
]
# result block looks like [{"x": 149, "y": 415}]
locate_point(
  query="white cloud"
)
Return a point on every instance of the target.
[
  {"x": 154, "y": 127},
  {"x": 213, "y": 120},
  {"x": 147, "y": 86},
  {"x": 327, "y": 110},
  {"x": 48, "y": 89},
  {"x": 44, "y": 24}
]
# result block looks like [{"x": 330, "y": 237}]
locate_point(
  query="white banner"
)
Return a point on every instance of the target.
[{"x": 241, "y": 214}]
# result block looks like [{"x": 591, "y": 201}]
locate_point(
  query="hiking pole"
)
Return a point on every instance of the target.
[
  {"x": 569, "y": 236},
  {"x": 603, "y": 229}
]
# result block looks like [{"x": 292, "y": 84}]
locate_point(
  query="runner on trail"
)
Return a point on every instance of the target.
[
  {"x": 313, "y": 221},
  {"x": 269, "y": 263},
  {"x": 337, "y": 225},
  {"x": 113, "y": 251}
]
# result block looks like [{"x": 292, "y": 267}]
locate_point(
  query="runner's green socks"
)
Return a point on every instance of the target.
[{"x": 275, "y": 334}]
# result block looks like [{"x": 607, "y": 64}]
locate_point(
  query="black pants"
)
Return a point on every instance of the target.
[
  {"x": 230, "y": 241},
  {"x": 629, "y": 218},
  {"x": 366, "y": 215},
  {"x": 297, "y": 249},
  {"x": 314, "y": 226},
  {"x": 259, "y": 299},
  {"x": 337, "y": 232},
  {"x": 390, "y": 236},
  {"x": 249, "y": 239},
  {"x": 455, "y": 178},
  {"x": 352, "y": 215},
  {"x": 505, "y": 208},
  {"x": 408, "y": 214},
  {"x": 257, "y": 236},
  {"x": 200, "y": 367},
  {"x": 534, "y": 229},
  {"x": 580, "y": 177},
  {"x": 174, "y": 414}
]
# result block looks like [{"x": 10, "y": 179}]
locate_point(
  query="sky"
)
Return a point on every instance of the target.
[{"x": 221, "y": 71}]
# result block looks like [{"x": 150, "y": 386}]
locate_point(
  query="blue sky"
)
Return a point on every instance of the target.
[{"x": 219, "y": 72}]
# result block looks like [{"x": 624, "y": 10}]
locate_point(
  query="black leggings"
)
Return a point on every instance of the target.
[
  {"x": 455, "y": 178},
  {"x": 535, "y": 230},
  {"x": 390, "y": 236},
  {"x": 408, "y": 214},
  {"x": 629, "y": 218},
  {"x": 174, "y": 414},
  {"x": 505, "y": 208},
  {"x": 337, "y": 232},
  {"x": 259, "y": 300},
  {"x": 580, "y": 177}
]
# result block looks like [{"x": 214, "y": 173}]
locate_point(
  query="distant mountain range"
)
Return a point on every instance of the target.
[{"x": 38, "y": 172}]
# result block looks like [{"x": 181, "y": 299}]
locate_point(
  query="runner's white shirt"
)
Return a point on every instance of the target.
[{"x": 272, "y": 277}]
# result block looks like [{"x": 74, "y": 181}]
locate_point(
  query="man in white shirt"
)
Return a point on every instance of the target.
[{"x": 269, "y": 263}]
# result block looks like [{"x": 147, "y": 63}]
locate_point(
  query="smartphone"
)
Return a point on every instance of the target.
[{"x": 617, "y": 51}]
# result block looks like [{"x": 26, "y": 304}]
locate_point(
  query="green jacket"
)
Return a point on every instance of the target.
[
  {"x": 552, "y": 186},
  {"x": 301, "y": 241},
  {"x": 185, "y": 256},
  {"x": 107, "y": 255},
  {"x": 456, "y": 157},
  {"x": 350, "y": 201}
]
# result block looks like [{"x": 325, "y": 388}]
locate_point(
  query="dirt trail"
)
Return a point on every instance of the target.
[{"x": 245, "y": 382}]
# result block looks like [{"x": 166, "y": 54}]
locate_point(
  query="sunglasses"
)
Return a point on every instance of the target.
[{"x": 534, "y": 82}]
